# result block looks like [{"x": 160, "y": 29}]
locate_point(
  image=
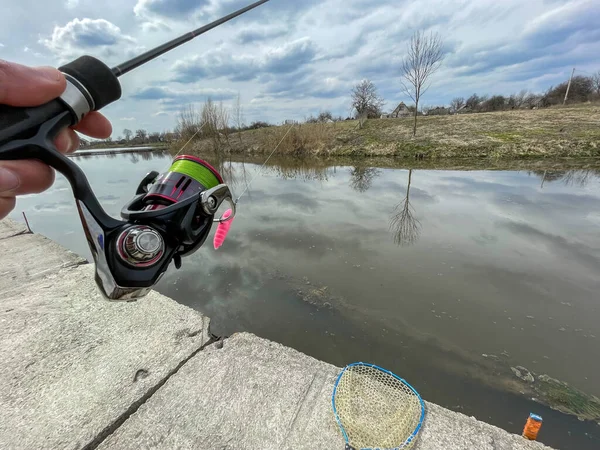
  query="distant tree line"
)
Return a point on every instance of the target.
[
  {"x": 140, "y": 137},
  {"x": 583, "y": 89}
]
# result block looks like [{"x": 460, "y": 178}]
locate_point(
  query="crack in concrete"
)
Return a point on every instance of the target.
[
  {"x": 119, "y": 421},
  {"x": 20, "y": 233}
]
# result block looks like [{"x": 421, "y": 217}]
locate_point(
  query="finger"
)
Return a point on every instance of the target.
[
  {"x": 7, "y": 204},
  {"x": 29, "y": 86},
  {"x": 67, "y": 141},
  {"x": 33, "y": 177},
  {"x": 95, "y": 125}
]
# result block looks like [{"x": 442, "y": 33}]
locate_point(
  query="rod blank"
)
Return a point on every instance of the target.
[{"x": 155, "y": 52}]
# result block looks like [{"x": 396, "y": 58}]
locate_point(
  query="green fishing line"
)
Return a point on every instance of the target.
[{"x": 197, "y": 171}]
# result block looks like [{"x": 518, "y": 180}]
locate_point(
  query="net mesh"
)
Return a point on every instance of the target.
[{"x": 375, "y": 409}]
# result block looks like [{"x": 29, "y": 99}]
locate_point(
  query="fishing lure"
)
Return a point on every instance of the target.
[
  {"x": 170, "y": 215},
  {"x": 222, "y": 229}
]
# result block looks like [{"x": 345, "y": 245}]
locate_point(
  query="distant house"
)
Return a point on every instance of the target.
[
  {"x": 290, "y": 122},
  {"x": 400, "y": 111}
]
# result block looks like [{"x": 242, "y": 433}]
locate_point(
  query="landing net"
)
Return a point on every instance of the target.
[{"x": 376, "y": 409}]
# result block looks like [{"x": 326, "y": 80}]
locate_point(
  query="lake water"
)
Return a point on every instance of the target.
[{"x": 420, "y": 271}]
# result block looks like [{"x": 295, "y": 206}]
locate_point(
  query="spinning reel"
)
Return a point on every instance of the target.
[{"x": 170, "y": 215}]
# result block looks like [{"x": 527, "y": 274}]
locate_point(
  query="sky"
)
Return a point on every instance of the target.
[{"x": 290, "y": 59}]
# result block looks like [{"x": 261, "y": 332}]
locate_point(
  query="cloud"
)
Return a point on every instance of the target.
[
  {"x": 70, "y": 4},
  {"x": 562, "y": 247},
  {"x": 259, "y": 33},
  {"x": 304, "y": 83},
  {"x": 211, "y": 9},
  {"x": 557, "y": 32},
  {"x": 30, "y": 51},
  {"x": 298, "y": 200},
  {"x": 172, "y": 98},
  {"x": 127, "y": 119},
  {"x": 167, "y": 8},
  {"x": 1, "y": 44},
  {"x": 578, "y": 19},
  {"x": 155, "y": 25},
  {"x": 286, "y": 58},
  {"x": 96, "y": 36}
]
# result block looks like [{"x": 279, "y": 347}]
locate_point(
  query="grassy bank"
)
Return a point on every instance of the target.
[{"x": 572, "y": 131}]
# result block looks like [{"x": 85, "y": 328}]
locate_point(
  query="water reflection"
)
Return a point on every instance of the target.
[
  {"x": 135, "y": 154},
  {"x": 405, "y": 226},
  {"x": 578, "y": 178},
  {"x": 497, "y": 262},
  {"x": 361, "y": 178}
]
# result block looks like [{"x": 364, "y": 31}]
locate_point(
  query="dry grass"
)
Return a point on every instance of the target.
[
  {"x": 572, "y": 131},
  {"x": 298, "y": 140}
]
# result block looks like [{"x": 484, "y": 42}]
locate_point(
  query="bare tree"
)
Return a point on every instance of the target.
[
  {"x": 141, "y": 135},
  {"x": 520, "y": 98},
  {"x": 424, "y": 58},
  {"x": 324, "y": 116},
  {"x": 215, "y": 122},
  {"x": 365, "y": 99},
  {"x": 405, "y": 226},
  {"x": 127, "y": 133},
  {"x": 223, "y": 120},
  {"x": 596, "y": 82},
  {"x": 237, "y": 116},
  {"x": 188, "y": 122},
  {"x": 457, "y": 103}
]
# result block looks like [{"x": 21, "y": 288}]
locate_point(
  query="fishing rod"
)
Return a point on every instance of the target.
[{"x": 170, "y": 215}]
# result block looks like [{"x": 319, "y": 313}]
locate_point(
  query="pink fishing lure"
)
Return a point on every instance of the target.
[{"x": 222, "y": 230}]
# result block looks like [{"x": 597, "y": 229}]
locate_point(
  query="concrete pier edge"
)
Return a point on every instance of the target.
[{"x": 79, "y": 372}]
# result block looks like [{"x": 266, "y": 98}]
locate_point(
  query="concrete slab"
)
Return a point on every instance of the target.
[
  {"x": 26, "y": 257},
  {"x": 73, "y": 366},
  {"x": 256, "y": 394},
  {"x": 10, "y": 228}
]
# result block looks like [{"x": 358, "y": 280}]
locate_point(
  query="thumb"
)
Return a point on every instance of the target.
[{"x": 29, "y": 86}]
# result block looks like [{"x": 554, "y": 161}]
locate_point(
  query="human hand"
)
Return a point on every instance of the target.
[{"x": 28, "y": 86}]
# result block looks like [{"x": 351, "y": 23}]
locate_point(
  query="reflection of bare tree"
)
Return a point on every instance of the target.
[
  {"x": 134, "y": 158},
  {"x": 578, "y": 177},
  {"x": 246, "y": 181},
  {"x": 227, "y": 170},
  {"x": 361, "y": 178},
  {"x": 299, "y": 169},
  {"x": 405, "y": 226},
  {"x": 573, "y": 177}
]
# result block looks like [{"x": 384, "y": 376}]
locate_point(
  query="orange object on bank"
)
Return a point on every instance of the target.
[{"x": 532, "y": 427}]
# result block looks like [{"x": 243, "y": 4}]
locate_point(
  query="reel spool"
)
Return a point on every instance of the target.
[{"x": 186, "y": 177}]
